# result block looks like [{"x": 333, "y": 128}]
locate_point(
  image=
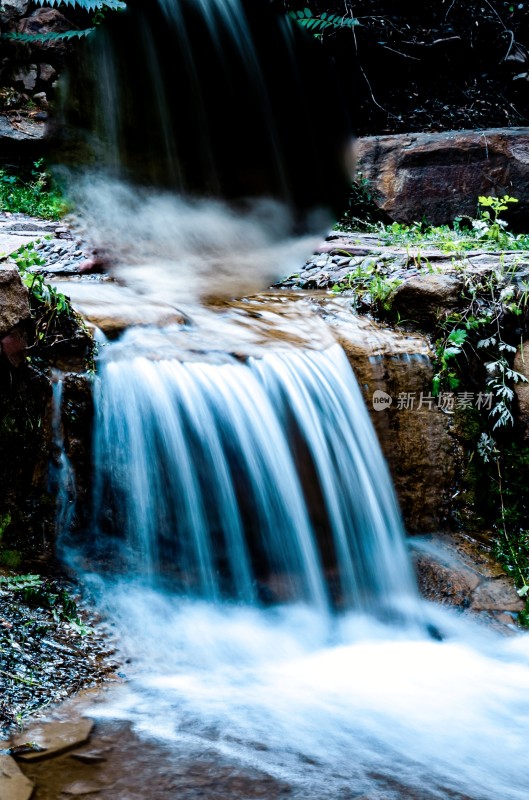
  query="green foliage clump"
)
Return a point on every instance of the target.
[
  {"x": 317, "y": 23},
  {"x": 508, "y": 468},
  {"x": 487, "y": 231},
  {"x": 33, "y": 195},
  {"x": 479, "y": 332},
  {"x": 96, "y": 8},
  {"x": 369, "y": 285},
  {"x": 53, "y": 315}
]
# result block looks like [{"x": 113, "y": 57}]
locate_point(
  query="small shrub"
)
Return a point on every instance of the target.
[{"x": 33, "y": 195}]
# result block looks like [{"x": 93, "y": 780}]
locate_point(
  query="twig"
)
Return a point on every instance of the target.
[{"x": 14, "y": 677}]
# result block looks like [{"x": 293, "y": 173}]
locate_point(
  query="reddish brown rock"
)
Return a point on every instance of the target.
[
  {"x": 54, "y": 738},
  {"x": 13, "y": 784},
  {"x": 13, "y": 346},
  {"x": 458, "y": 570},
  {"x": 416, "y": 437},
  {"x": 422, "y": 298},
  {"x": 45, "y": 20},
  {"x": 14, "y": 303},
  {"x": 439, "y": 176}
]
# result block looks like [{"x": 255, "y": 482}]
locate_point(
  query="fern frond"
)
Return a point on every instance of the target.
[
  {"x": 48, "y": 37},
  {"x": 86, "y": 5},
  {"x": 318, "y": 23}
]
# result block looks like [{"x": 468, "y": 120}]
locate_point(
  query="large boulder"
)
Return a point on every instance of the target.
[
  {"x": 14, "y": 303},
  {"x": 438, "y": 176},
  {"x": 423, "y": 298},
  {"x": 44, "y": 21}
]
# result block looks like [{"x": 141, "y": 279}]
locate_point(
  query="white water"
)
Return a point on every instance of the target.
[
  {"x": 214, "y": 467},
  {"x": 332, "y": 704},
  {"x": 233, "y": 483},
  {"x": 329, "y": 705}
]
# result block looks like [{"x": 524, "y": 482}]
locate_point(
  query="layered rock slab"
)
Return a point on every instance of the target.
[{"x": 438, "y": 176}]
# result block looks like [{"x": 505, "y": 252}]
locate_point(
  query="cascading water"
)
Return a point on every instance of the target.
[
  {"x": 245, "y": 539},
  {"x": 212, "y": 469}
]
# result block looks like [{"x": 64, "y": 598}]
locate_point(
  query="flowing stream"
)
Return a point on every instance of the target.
[{"x": 244, "y": 537}]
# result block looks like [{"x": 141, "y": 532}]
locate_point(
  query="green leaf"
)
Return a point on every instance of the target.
[
  {"x": 457, "y": 336},
  {"x": 48, "y": 37}
]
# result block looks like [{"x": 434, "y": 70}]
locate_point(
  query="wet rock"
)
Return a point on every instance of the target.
[
  {"x": 25, "y": 78},
  {"x": 521, "y": 365},
  {"x": 13, "y": 784},
  {"x": 9, "y": 242},
  {"x": 498, "y": 594},
  {"x": 47, "y": 73},
  {"x": 12, "y": 10},
  {"x": 89, "y": 757},
  {"x": 25, "y": 130},
  {"x": 443, "y": 578},
  {"x": 439, "y": 176},
  {"x": 457, "y": 569},
  {"x": 13, "y": 346},
  {"x": 55, "y": 738},
  {"x": 14, "y": 303},
  {"x": 42, "y": 21},
  {"x": 40, "y": 99},
  {"x": 423, "y": 298},
  {"x": 416, "y": 439}
]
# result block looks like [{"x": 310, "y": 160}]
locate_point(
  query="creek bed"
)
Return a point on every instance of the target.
[{"x": 50, "y": 647}]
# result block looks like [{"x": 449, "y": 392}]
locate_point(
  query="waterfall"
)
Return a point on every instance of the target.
[
  {"x": 244, "y": 536},
  {"x": 216, "y": 98},
  {"x": 62, "y": 477},
  {"x": 219, "y": 474}
]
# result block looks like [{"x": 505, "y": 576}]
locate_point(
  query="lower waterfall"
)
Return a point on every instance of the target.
[
  {"x": 221, "y": 474},
  {"x": 249, "y": 552}
]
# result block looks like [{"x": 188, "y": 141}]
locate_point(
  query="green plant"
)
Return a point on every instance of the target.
[
  {"x": 446, "y": 350},
  {"x": 95, "y": 7},
  {"x": 478, "y": 330},
  {"x": 490, "y": 225},
  {"x": 317, "y": 23},
  {"x": 509, "y": 473},
  {"x": 32, "y": 195},
  {"x": 368, "y": 284},
  {"x": 464, "y": 234},
  {"x": 51, "y": 309},
  {"x": 362, "y": 212}
]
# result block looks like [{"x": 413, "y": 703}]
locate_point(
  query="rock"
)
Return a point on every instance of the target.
[
  {"x": 25, "y": 77},
  {"x": 45, "y": 20},
  {"x": 14, "y": 303},
  {"x": 12, "y": 10},
  {"x": 55, "y": 738},
  {"x": 521, "y": 364},
  {"x": 13, "y": 784},
  {"x": 422, "y": 298},
  {"x": 13, "y": 346},
  {"x": 26, "y": 130},
  {"x": 40, "y": 99},
  {"x": 9, "y": 243},
  {"x": 417, "y": 442},
  {"x": 89, "y": 757},
  {"x": 439, "y": 176},
  {"x": 47, "y": 73},
  {"x": 498, "y": 594},
  {"x": 457, "y": 569}
]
